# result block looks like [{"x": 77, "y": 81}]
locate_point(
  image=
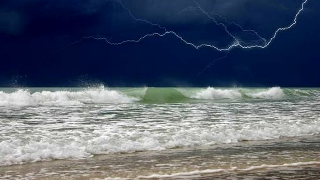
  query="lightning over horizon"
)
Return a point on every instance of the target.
[
  {"x": 260, "y": 43},
  {"x": 160, "y": 43},
  {"x": 159, "y": 89}
]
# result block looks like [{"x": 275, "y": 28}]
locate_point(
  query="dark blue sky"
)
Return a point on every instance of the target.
[{"x": 35, "y": 37}]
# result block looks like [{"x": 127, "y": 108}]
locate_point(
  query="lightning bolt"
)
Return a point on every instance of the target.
[
  {"x": 211, "y": 63},
  {"x": 236, "y": 41},
  {"x": 228, "y": 22},
  {"x": 138, "y": 19}
]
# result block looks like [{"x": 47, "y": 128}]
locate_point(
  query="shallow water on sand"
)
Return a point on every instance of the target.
[
  {"x": 159, "y": 133},
  {"x": 282, "y": 158}
]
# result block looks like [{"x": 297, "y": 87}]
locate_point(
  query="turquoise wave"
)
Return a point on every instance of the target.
[{"x": 101, "y": 95}]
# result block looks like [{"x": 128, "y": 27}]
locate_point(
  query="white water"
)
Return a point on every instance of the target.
[
  {"x": 212, "y": 93},
  {"x": 77, "y": 144},
  {"x": 26, "y": 98},
  {"x": 272, "y": 93},
  {"x": 236, "y": 94},
  {"x": 44, "y": 125},
  {"x": 22, "y": 97}
]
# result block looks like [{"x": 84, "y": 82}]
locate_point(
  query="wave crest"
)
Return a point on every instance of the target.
[
  {"x": 271, "y": 93},
  {"x": 26, "y": 98},
  {"x": 212, "y": 93}
]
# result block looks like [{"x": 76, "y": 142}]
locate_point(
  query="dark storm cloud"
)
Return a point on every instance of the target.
[
  {"x": 34, "y": 33},
  {"x": 98, "y": 17},
  {"x": 48, "y": 17},
  {"x": 11, "y": 22},
  {"x": 264, "y": 16}
]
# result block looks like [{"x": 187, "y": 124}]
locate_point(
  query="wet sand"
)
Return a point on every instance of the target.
[{"x": 288, "y": 158}]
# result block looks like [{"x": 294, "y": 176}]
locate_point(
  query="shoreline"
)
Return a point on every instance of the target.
[
  {"x": 281, "y": 158},
  {"x": 302, "y": 170}
]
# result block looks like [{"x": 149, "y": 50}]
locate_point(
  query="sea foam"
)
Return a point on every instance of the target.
[
  {"x": 236, "y": 94},
  {"x": 212, "y": 93},
  {"x": 272, "y": 93},
  {"x": 113, "y": 140},
  {"x": 102, "y": 95},
  {"x": 53, "y": 132},
  {"x": 26, "y": 98}
]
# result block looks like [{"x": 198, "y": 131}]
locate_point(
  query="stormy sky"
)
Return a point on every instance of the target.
[{"x": 42, "y": 44}]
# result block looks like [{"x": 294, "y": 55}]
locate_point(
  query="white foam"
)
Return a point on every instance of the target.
[
  {"x": 212, "y": 93},
  {"x": 17, "y": 152},
  {"x": 45, "y": 133},
  {"x": 26, "y": 98},
  {"x": 77, "y": 145},
  {"x": 272, "y": 93}
]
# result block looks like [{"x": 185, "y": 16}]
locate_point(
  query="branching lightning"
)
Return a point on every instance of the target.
[
  {"x": 137, "y": 19},
  {"x": 211, "y": 63},
  {"x": 260, "y": 43},
  {"x": 261, "y": 39}
]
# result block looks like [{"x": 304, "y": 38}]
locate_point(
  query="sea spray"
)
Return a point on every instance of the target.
[
  {"x": 102, "y": 95},
  {"x": 272, "y": 93},
  {"x": 60, "y": 98},
  {"x": 212, "y": 93}
]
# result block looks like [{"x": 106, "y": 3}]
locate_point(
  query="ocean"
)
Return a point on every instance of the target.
[{"x": 159, "y": 133}]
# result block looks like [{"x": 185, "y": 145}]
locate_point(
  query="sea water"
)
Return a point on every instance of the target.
[{"x": 159, "y": 133}]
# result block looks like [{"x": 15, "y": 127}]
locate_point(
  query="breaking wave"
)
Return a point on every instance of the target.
[
  {"x": 17, "y": 151},
  {"x": 103, "y": 95},
  {"x": 160, "y": 95},
  {"x": 212, "y": 93},
  {"x": 110, "y": 128},
  {"x": 272, "y": 93},
  {"x": 99, "y": 95}
]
